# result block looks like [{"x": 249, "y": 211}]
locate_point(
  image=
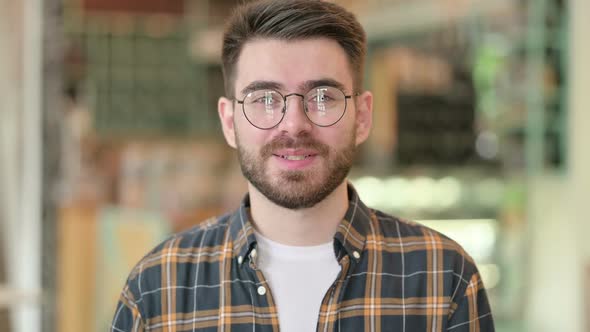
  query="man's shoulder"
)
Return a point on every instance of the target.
[
  {"x": 416, "y": 236},
  {"x": 202, "y": 239}
]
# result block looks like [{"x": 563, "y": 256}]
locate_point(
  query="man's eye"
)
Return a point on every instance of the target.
[
  {"x": 320, "y": 98},
  {"x": 263, "y": 100},
  {"x": 260, "y": 100}
]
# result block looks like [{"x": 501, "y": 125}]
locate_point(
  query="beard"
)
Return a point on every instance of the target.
[{"x": 297, "y": 189}]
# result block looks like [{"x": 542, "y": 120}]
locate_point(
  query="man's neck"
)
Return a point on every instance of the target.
[{"x": 304, "y": 227}]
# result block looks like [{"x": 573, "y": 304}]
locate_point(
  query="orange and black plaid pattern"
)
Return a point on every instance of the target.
[{"x": 396, "y": 276}]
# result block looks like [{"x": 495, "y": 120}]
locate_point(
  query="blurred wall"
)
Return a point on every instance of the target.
[
  {"x": 20, "y": 152},
  {"x": 559, "y": 226},
  {"x": 580, "y": 117},
  {"x": 10, "y": 101},
  {"x": 580, "y": 151}
]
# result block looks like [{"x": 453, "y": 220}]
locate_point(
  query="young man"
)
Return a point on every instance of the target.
[{"x": 302, "y": 252}]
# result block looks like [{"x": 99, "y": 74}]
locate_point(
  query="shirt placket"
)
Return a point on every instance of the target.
[
  {"x": 329, "y": 314},
  {"x": 263, "y": 290}
]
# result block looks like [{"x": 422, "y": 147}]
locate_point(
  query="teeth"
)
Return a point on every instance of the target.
[{"x": 294, "y": 157}]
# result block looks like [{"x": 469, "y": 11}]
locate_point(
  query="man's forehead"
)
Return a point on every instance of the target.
[{"x": 293, "y": 64}]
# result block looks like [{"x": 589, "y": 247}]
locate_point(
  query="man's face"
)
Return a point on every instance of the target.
[{"x": 295, "y": 164}]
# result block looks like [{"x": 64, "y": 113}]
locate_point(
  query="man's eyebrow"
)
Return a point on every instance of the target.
[
  {"x": 303, "y": 87},
  {"x": 258, "y": 85},
  {"x": 308, "y": 85}
]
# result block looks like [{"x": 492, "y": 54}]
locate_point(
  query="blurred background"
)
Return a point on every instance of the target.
[{"x": 110, "y": 141}]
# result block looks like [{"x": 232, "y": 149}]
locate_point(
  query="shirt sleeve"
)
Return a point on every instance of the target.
[
  {"x": 472, "y": 310},
  {"x": 127, "y": 316}
]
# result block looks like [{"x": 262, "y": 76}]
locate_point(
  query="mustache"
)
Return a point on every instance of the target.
[{"x": 284, "y": 142}]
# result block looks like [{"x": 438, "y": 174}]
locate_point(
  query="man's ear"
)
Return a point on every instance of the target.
[
  {"x": 225, "y": 109},
  {"x": 364, "y": 116}
]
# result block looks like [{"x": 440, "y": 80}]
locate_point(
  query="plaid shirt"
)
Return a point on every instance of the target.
[{"x": 396, "y": 276}]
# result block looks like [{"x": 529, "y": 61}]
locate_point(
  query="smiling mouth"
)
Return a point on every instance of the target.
[{"x": 295, "y": 158}]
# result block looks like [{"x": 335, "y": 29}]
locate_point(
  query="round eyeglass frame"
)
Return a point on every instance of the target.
[{"x": 284, "y": 110}]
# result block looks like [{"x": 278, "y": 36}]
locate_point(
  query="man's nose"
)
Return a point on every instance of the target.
[{"x": 295, "y": 121}]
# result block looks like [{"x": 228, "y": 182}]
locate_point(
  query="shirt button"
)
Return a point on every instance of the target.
[
  {"x": 261, "y": 290},
  {"x": 240, "y": 259},
  {"x": 356, "y": 255}
]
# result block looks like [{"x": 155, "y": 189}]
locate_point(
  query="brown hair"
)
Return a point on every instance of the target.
[{"x": 292, "y": 20}]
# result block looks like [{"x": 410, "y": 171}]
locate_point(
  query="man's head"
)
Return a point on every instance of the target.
[
  {"x": 292, "y": 20},
  {"x": 294, "y": 109}
]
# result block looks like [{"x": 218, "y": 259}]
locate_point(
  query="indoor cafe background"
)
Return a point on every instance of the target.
[{"x": 109, "y": 141}]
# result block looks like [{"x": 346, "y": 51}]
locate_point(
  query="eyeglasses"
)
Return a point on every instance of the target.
[{"x": 324, "y": 106}]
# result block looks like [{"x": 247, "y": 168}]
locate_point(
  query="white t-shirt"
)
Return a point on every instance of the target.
[{"x": 299, "y": 278}]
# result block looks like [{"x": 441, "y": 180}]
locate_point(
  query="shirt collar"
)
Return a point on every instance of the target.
[
  {"x": 352, "y": 231},
  {"x": 350, "y": 235}
]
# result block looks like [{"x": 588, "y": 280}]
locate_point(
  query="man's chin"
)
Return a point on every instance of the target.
[
  {"x": 293, "y": 200},
  {"x": 295, "y": 192},
  {"x": 293, "y": 178}
]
